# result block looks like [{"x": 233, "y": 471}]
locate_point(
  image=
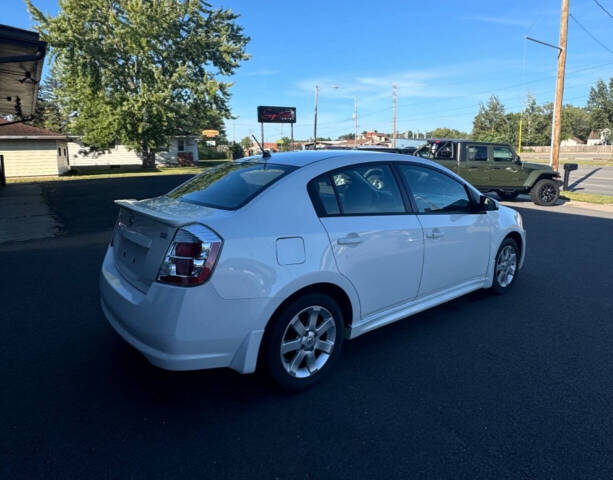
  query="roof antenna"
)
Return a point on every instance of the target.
[{"x": 265, "y": 154}]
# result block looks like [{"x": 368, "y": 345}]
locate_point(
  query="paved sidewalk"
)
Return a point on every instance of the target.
[{"x": 24, "y": 214}]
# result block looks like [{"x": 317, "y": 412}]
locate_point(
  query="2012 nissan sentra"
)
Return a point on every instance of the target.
[{"x": 275, "y": 261}]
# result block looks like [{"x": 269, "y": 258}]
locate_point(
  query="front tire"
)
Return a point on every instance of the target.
[
  {"x": 506, "y": 266},
  {"x": 545, "y": 192},
  {"x": 304, "y": 341}
]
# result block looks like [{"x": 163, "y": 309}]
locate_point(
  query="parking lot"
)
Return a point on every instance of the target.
[{"x": 518, "y": 386}]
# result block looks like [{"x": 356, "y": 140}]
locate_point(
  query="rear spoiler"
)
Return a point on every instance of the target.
[{"x": 132, "y": 204}]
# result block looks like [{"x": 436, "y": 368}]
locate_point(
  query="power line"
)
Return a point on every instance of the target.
[
  {"x": 603, "y": 9},
  {"x": 590, "y": 34}
]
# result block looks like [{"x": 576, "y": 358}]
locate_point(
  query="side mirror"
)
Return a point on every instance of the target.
[
  {"x": 485, "y": 204},
  {"x": 518, "y": 160}
]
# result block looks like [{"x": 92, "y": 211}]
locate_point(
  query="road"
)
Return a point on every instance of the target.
[
  {"x": 518, "y": 386},
  {"x": 591, "y": 179}
]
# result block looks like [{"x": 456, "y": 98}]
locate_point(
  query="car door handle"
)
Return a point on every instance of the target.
[
  {"x": 436, "y": 233},
  {"x": 351, "y": 239}
]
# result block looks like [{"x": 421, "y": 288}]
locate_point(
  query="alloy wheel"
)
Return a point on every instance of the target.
[
  {"x": 506, "y": 265},
  {"x": 548, "y": 193},
  {"x": 308, "y": 341}
]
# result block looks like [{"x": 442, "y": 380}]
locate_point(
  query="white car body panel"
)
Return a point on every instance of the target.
[
  {"x": 457, "y": 250},
  {"x": 387, "y": 246},
  {"x": 276, "y": 245}
]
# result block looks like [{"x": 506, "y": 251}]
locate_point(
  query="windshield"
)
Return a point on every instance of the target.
[{"x": 230, "y": 186}]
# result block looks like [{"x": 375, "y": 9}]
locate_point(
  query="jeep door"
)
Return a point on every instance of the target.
[
  {"x": 506, "y": 171},
  {"x": 474, "y": 166}
]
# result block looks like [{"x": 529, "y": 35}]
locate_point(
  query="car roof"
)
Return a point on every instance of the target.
[
  {"x": 302, "y": 158},
  {"x": 464, "y": 140}
]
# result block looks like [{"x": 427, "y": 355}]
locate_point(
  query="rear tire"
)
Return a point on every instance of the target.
[
  {"x": 508, "y": 196},
  {"x": 545, "y": 192},
  {"x": 304, "y": 341},
  {"x": 506, "y": 266}
]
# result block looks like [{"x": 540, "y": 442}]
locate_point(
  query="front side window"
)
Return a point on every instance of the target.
[
  {"x": 476, "y": 153},
  {"x": 230, "y": 186},
  {"x": 503, "y": 154},
  {"x": 367, "y": 190},
  {"x": 435, "y": 192}
]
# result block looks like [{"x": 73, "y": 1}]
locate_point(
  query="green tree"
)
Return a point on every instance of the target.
[
  {"x": 490, "y": 123},
  {"x": 140, "y": 72},
  {"x": 246, "y": 143},
  {"x": 49, "y": 113},
  {"x": 600, "y": 105},
  {"x": 284, "y": 144},
  {"x": 445, "y": 132},
  {"x": 347, "y": 136},
  {"x": 235, "y": 151},
  {"x": 575, "y": 122}
]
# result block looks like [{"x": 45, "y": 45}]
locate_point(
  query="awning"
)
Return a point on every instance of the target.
[{"x": 21, "y": 64}]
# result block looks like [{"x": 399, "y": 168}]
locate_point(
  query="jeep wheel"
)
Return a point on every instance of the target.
[
  {"x": 545, "y": 192},
  {"x": 508, "y": 196}
]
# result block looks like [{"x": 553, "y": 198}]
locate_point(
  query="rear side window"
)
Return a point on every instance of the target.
[
  {"x": 323, "y": 190},
  {"x": 230, "y": 186},
  {"x": 476, "y": 153},
  {"x": 358, "y": 190},
  {"x": 435, "y": 192}
]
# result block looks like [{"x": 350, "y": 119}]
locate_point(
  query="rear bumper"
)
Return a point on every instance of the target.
[{"x": 179, "y": 328}]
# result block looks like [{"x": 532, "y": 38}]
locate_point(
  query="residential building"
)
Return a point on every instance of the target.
[
  {"x": 594, "y": 138},
  {"x": 31, "y": 151},
  {"x": 183, "y": 147},
  {"x": 572, "y": 141}
]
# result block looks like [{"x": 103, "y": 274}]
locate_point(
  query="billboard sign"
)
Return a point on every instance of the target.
[{"x": 276, "y": 114}]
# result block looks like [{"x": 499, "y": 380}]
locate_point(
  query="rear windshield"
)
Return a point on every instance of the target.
[{"x": 231, "y": 185}]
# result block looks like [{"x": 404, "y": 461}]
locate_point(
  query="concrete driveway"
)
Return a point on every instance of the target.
[{"x": 24, "y": 214}]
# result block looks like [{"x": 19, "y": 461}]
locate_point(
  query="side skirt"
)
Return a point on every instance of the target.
[{"x": 399, "y": 312}]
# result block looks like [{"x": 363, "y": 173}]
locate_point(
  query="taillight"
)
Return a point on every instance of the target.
[{"x": 191, "y": 256}]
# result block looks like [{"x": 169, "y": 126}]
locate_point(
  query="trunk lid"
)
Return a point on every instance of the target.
[{"x": 144, "y": 231}]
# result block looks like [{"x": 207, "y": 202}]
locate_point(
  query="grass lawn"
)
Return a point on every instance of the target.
[
  {"x": 595, "y": 162},
  {"x": 587, "y": 197},
  {"x": 116, "y": 173}
]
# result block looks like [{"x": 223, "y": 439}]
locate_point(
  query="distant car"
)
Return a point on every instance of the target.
[
  {"x": 494, "y": 167},
  {"x": 402, "y": 150},
  {"x": 276, "y": 263}
]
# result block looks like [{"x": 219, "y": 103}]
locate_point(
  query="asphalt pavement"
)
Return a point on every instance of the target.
[
  {"x": 591, "y": 179},
  {"x": 517, "y": 386}
]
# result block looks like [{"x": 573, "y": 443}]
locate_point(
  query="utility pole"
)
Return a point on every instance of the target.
[
  {"x": 394, "y": 133},
  {"x": 557, "y": 108},
  {"x": 315, "y": 118},
  {"x": 355, "y": 122}
]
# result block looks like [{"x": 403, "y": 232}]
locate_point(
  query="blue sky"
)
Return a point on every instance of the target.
[{"x": 445, "y": 57}]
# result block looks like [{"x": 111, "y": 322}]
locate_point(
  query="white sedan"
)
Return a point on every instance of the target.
[{"x": 276, "y": 261}]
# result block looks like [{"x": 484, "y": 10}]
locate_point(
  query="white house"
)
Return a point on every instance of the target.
[
  {"x": 594, "y": 138},
  {"x": 185, "y": 147},
  {"x": 572, "y": 141},
  {"x": 31, "y": 151}
]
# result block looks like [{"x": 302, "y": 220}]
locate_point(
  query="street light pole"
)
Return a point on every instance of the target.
[
  {"x": 315, "y": 118},
  {"x": 394, "y": 132},
  {"x": 556, "y": 122},
  {"x": 355, "y": 120},
  {"x": 557, "y": 108}
]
